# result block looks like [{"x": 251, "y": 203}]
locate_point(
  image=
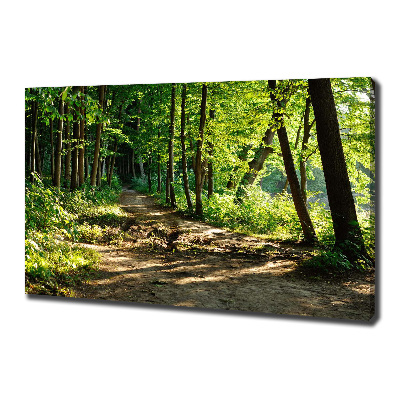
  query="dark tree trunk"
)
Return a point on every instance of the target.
[
  {"x": 171, "y": 148},
  {"x": 38, "y": 158},
  {"x": 57, "y": 170},
  {"x": 295, "y": 146},
  {"x": 76, "y": 135},
  {"x": 184, "y": 162},
  {"x": 34, "y": 138},
  {"x": 341, "y": 202},
  {"x": 93, "y": 176},
  {"x": 159, "y": 164},
  {"x": 199, "y": 172},
  {"x": 81, "y": 154},
  {"x": 167, "y": 187},
  {"x": 300, "y": 205},
  {"x": 52, "y": 149},
  {"x": 67, "y": 169}
]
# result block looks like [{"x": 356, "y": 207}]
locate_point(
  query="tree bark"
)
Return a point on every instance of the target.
[
  {"x": 199, "y": 167},
  {"x": 76, "y": 134},
  {"x": 93, "y": 176},
  {"x": 81, "y": 154},
  {"x": 171, "y": 148},
  {"x": 52, "y": 149},
  {"x": 341, "y": 202},
  {"x": 184, "y": 162},
  {"x": 301, "y": 208},
  {"x": 34, "y": 138},
  {"x": 57, "y": 170}
]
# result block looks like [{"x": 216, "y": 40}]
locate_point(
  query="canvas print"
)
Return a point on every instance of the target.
[{"x": 252, "y": 196}]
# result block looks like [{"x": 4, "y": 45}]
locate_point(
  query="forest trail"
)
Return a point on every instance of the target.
[{"x": 177, "y": 261}]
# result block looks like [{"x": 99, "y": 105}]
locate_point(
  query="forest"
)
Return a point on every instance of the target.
[{"x": 289, "y": 162}]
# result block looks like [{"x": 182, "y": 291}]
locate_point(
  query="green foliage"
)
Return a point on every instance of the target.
[
  {"x": 333, "y": 263},
  {"x": 54, "y": 218},
  {"x": 52, "y": 266}
]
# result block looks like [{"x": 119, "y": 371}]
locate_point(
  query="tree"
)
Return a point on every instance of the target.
[
  {"x": 184, "y": 162},
  {"x": 93, "y": 176},
  {"x": 57, "y": 161},
  {"x": 279, "y": 101},
  {"x": 171, "y": 149},
  {"x": 200, "y": 165},
  {"x": 341, "y": 202}
]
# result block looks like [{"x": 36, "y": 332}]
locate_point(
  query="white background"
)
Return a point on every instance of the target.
[{"x": 63, "y": 349}]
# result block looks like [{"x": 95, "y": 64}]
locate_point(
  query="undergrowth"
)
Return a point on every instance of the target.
[{"x": 55, "y": 222}]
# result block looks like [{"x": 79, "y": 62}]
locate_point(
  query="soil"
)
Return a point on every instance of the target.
[{"x": 174, "y": 260}]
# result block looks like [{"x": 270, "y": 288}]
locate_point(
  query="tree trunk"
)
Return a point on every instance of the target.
[
  {"x": 184, "y": 162},
  {"x": 52, "y": 149},
  {"x": 341, "y": 202},
  {"x": 301, "y": 208},
  {"x": 149, "y": 173},
  {"x": 93, "y": 176},
  {"x": 38, "y": 158},
  {"x": 57, "y": 170},
  {"x": 34, "y": 138},
  {"x": 81, "y": 154},
  {"x": 171, "y": 148},
  {"x": 111, "y": 170},
  {"x": 67, "y": 169},
  {"x": 200, "y": 168},
  {"x": 76, "y": 135}
]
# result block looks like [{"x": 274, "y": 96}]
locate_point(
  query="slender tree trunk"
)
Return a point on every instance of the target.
[
  {"x": 184, "y": 162},
  {"x": 167, "y": 186},
  {"x": 301, "y": 208},
  {"x": 149, "y": 174},
  {"x": 110, "y": 174},
  {"x": 52, "y": 149},
  {"x": 295, "y": 146},
  {"x": 171, "y": 147},
  {"x": 81, "y": 154},
  {"x": 93, "y": 176},
  {"x": 159, "y": 164},
  {"x": 38, "y": 158},
  {"x": 67, "y": 170},
  {"x": 76, "y": 135},
  {"x": 341, "y": 202},
  {"x": 199, "y": 169},
  {"x": 57, "y": 170},
  {"x": 34, "y": 138}
]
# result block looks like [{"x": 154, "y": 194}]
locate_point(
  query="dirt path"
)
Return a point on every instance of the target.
[{"x": 181, "y": 262}]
